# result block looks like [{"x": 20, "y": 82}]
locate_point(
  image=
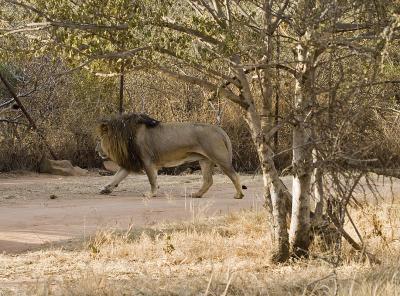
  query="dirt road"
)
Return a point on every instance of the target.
[
  {"x": 38, "y": 210},
  {"x": 30, "y": 218}
]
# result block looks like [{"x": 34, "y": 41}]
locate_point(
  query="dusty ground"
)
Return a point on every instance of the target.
[
  {"x": 30, "y": 218},
  {"x": 222, "y": 255}
]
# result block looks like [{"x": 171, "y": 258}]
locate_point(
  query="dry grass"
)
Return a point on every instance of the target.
[{"x": 215, "y": 256}]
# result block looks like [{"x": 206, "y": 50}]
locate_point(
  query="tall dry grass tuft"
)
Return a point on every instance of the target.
[{"x": 211, "y": 256}]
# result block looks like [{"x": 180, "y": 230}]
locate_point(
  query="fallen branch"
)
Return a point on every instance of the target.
[
  {"x": 356, "y": 246},
  {"x": 31, "y": 121},
  {"x": 386, "y": 172},
  {"x": 10, "y": 121}
]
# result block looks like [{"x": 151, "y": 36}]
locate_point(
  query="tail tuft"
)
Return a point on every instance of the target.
[{"x": 244, "y": 187}]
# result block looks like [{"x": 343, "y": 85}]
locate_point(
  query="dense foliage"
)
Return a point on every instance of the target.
[{"x": 315, "y": 82}]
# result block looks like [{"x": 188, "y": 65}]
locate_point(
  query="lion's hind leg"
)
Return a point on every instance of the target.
[
  {"x": 231, "y": 173},
  {"x": 223, "y": 158},
  {"x": 207, "y": 168}
]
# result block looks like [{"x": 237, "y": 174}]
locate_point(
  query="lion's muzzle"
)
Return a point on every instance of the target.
[{"x": 100, "y": 151}]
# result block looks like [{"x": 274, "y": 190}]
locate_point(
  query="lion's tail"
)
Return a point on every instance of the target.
[
  {"x": 227, "y": 142},
  {"x": 228, "y": 145}
]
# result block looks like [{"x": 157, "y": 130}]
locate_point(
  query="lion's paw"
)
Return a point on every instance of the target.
[
  {"x": 150, "y": 194},
  {"x": 105, "y": 190},
  {"x": 239, "y": 196}
]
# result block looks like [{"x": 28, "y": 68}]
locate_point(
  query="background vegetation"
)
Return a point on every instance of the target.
[
  {"x": 45, "y": 54},
  {"x": 322, "y": 74},
  {"x": 67, "y": 108}
]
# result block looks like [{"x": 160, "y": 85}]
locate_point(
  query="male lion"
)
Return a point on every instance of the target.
[{"x": 137, "y": 142}]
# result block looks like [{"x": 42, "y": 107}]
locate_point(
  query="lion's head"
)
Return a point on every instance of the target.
[
  {"x": 117, "y": 139},
  {"x": 99, "y": 150}
]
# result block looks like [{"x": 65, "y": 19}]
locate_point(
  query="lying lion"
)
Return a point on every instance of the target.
[{"x": 137, "y": 142}]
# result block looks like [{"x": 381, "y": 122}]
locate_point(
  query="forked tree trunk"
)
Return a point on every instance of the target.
[
  {"x": 268, "y": 122},
  {"x": 302, "y": 156}
]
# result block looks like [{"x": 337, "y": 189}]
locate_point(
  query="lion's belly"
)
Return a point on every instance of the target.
[{"x": 170, "y": 162}]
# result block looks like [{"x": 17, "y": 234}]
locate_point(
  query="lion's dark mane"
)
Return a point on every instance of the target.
[{"x": 119, "y": 137}]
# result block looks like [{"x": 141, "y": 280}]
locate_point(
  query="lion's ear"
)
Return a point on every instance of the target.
[
  {"x": 103, "y": 128},
  {"x": 147, "y": 120}
]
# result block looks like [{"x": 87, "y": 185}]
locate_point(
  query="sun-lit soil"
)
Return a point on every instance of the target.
[
  {"x": 226, "y": 254},
  {"x": 37, "y": 210}
]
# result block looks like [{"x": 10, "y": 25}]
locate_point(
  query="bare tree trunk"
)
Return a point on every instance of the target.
[
  {"x": 267, "y": 122},
  {"x": 278, "y": 193},
  {"x": 302, "y": 156},
  {"x": 300, "y": 222},
  {"x": 273, "y": 185}
]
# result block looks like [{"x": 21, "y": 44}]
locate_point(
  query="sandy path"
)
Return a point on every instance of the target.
[{"x": 29, "y": 219}]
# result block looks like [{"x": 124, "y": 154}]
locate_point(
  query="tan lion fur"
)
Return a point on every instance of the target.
[{"x": 136, "y": 142}]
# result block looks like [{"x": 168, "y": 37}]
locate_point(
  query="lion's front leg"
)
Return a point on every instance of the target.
[
  {"x": 117, "y": 178},
  {"x": 151, "y": 173},
  {"x": 207, "y": 168}
]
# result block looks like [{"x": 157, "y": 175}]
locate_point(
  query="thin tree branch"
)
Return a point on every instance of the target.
[
  {"x": 9, "y": 101},
  {"x": 213, "y": 14},
  {"x": 28, "y": 28},
  {"x": 11, "y": 121},
  {"x": 279, "y": 16},
  {"x": 192, "y": 32},
  {"x": 347, "y": 27},
  {"x": 253, "y": 67},
  {"x": 6, "y": 103},
  {"x": 204, "y": 83},
  {"x": 199, "y": 67}
]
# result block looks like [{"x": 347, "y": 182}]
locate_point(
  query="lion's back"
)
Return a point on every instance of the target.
[
  {"x": 188, "y": 132},
  {"x": 173, "y": 139}
]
